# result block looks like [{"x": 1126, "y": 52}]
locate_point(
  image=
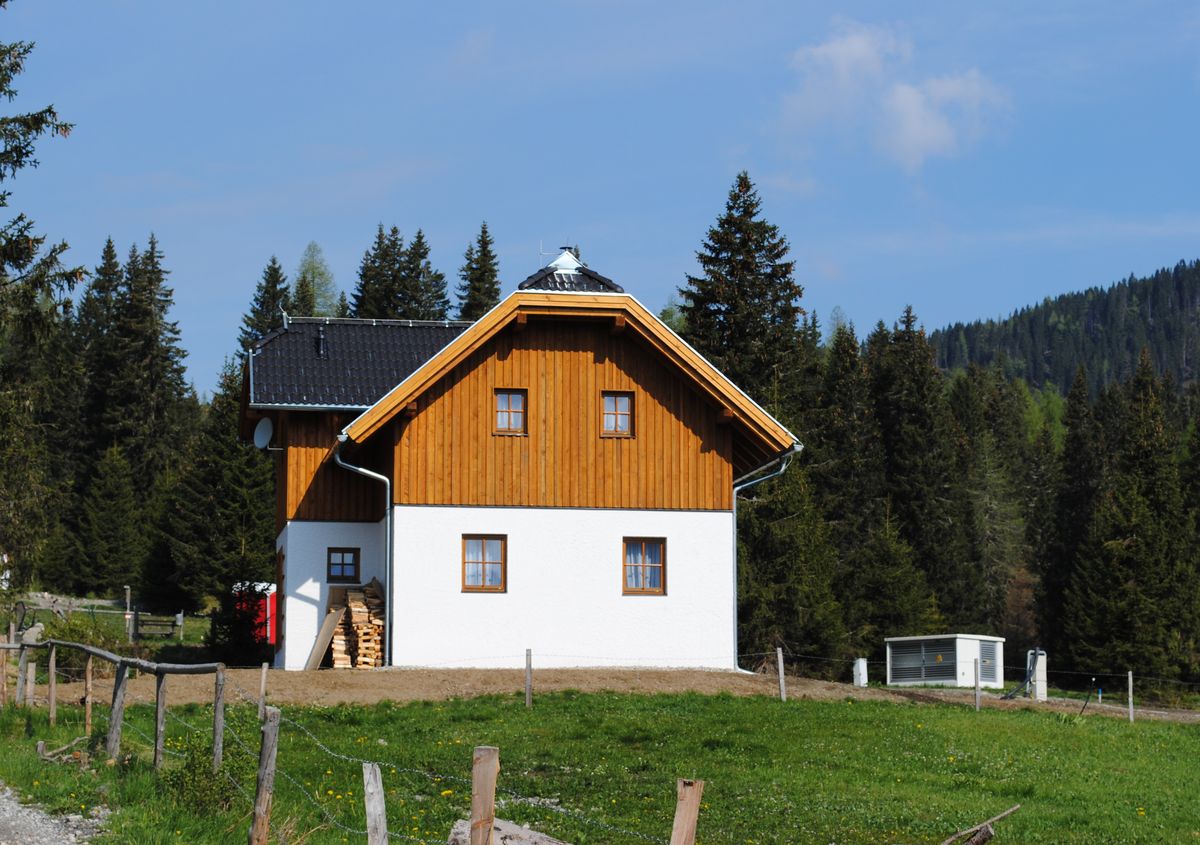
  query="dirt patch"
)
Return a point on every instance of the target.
[{"x": 325, "y": 687}]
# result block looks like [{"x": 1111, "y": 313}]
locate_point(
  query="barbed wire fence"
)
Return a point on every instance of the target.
[
  {"x": 509, "y": 796},
  {"x": 293, "y": 781}
]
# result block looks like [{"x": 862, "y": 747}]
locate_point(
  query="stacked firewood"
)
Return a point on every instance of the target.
[{"x": 367, "y": 620}]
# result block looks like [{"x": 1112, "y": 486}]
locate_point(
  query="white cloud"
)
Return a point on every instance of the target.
[{"x": 861, "y": 80}]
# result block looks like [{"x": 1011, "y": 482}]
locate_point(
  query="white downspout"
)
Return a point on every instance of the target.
[
  {"x": 739, "y": 485},
  {"x": 388, "y": 543}
]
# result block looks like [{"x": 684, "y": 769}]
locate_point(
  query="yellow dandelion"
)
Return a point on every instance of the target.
[{"x": 446, "y": 793}]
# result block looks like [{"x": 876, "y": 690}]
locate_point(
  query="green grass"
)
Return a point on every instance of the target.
[{"x": 800, "y": 772}]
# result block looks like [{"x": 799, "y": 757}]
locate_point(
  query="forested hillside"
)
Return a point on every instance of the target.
[{"x": 1101, "y": 329}]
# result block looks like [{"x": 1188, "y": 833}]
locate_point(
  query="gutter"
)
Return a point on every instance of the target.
[
  {"x": 745, "y": 482},
  {"x": 389, "y": 541}
]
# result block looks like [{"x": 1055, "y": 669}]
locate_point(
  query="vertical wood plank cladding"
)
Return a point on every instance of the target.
[
  {"x": 318, "y": 489},
  {"x": 678, "y": 458}
]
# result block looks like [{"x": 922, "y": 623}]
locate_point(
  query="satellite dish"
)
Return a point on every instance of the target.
[{"x": 263, "y": 432}]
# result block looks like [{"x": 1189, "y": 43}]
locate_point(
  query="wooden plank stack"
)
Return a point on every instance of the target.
[
  {"x": 367, "y": 619},
  {"x": 343, "y": 644},
  {"x": 358, "y": 641}
]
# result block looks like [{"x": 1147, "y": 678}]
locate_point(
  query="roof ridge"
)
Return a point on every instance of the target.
[{"x": 375, "y": 321}]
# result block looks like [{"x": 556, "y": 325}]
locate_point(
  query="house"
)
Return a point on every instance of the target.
[{"x": 559, "y": 475}]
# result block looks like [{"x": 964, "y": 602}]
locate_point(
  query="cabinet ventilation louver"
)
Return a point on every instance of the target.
[{"x": 925, "y": 660}]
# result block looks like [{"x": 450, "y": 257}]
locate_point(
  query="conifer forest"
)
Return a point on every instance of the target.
[{"x": 1036, "y": 477}]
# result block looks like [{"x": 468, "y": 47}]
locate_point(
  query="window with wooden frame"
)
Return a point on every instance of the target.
[
  {"x": 341, "y": 566},
  {"x": 485, "y": 559},
  {"x": 616, "y": 413},
  {"x": 644, "y": 568},
  {"x": 511, "y": 406}
]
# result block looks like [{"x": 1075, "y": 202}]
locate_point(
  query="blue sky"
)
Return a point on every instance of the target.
[{"x": 966, "y": 158}]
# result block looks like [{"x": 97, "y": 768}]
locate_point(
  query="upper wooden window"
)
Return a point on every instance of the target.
[
  {"x": 644, "y": 569},
  {"x": 341, "y": 566},
  {"x": 616, "y": 413},
  {"x": 511, "y": 407},
  {"x": 484, "y": 563}
]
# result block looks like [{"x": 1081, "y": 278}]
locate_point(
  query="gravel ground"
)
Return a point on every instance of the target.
[{"x": 25, "y": 824}]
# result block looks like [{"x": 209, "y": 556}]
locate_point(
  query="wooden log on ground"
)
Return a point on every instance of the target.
[{"x": 971, "y": 831}]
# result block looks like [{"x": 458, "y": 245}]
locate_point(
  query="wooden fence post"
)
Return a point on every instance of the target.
[
  {"x": 260, "y": 829},
  {"x": 262, "y": 693},
  {"x": 1131, "y": 696},
  {"x": 117, "y": 714},
  {"x": 528, "y": 677},
  {"x": 485, "y": 768},
  {"x": 779, "y": 668},
  {"x": 687, "y": 809},
  {"x": 976, "y": 684},
  {"x": 87, "y": 696},
  {"x": 160, "y": 716},
  {"x": 52, "y": 686},
  {"x": 376, "y": 810},
  {"x": 22, "y": 659},
  {"x": 218, "y": 718},
  {"x": 31, "y": 682}
]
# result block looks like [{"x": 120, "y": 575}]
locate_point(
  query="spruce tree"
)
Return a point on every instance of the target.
[
  {"x": 33, "y": 281},
  {"x": 378, "y": 295},
  {"x": 844, "y": 452},
  {"x": 1132, "y": 596},
  {"x": 1079, "y": 479},
  {"x": 343, "y": 306},
  {"x": 742, "y": 311},
  {"x": 785, "y": 575},
  {"x": 270, "y": 300},
  {"x": 100, "y": 355},
  {"x": 480, "y": 274},
  {"x": 216, "y": 528},
  {"x": 111, "y": 536},
  {"x": 147, "y": 394},
  {"x": 303, "y": 300},
  {"x": 884, "y": 592},
  {"x": 917, "y": 434},
  {"x": 423, "y": 289}
]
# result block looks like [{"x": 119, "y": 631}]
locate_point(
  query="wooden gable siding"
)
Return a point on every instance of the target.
[
  {"x": 310, "y": 486},
  {"x": 679, "y": 457}
]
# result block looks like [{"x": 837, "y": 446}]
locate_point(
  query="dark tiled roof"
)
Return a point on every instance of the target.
[
  {"x": 332, "y": 363},
  {"x": 581, "y": 279}
]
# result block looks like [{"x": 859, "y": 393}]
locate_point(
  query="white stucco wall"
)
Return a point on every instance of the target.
[
  {"x": 306, "y": 592},
  {"x": 563, "y": 596}
]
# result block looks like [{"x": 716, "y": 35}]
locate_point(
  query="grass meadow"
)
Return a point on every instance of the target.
[{"x": 579, "y": 765}]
